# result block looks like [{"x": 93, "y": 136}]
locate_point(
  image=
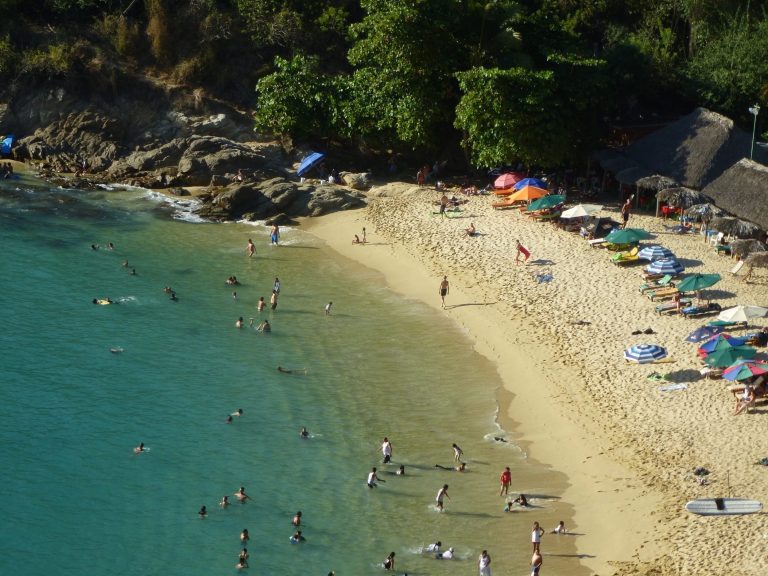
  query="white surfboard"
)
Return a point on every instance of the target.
[{"x": 723, "y": 506}]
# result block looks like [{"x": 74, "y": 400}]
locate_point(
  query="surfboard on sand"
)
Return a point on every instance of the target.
[{"x": 723, "y": 506}]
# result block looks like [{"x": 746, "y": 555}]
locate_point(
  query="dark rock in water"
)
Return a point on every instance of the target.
[
  {"x": 280, "y": 219},
  {"x": 179, "y": 192}
]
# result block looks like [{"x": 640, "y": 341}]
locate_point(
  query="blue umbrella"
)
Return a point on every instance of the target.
[
  {"x": 645, "y": 353},
  {"x": 655, "y": 253},
  {"x": 535, "y": 182},
  {"x": 309, "y": 162},
  {"x": 666, "y": 266},
  {"x": 6, "y": 145},
  {"x": 703, "y": 333},
  {"x": 721, "y": 341}
]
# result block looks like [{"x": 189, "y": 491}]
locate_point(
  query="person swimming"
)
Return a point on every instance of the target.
[
  {"x": 203, "y": 512},
  {"x": 297, "y": 519},
  {"x": 224, "y": 502},
  {"x": 297, "y": 537},
  {"x": 237, "y": 413},
  {"x": 241, "y": 495},
  {"x": 139, "y": 449},
  {"x": 304, "y": 433},
  {"x": 264, "y": 327}
]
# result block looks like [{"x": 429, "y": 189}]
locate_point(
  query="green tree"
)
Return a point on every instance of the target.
[{"x": 405, "y": 53}]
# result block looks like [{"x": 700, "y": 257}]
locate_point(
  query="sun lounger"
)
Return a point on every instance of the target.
[
  {"x": 506, "y": 204},
  {"x": 663, "y": 282},
  {"x": 726, "y": 324},
  {"x": 619, "y": 247},
  {"x": 671, "y": 307},
  {"x": 737, "y": 267},
  {"x": 662, "y": 293},
  {"x": 597, "y": 242},
  {"x": 710, "y": 308},
  {"x": 723, "y": 248}
]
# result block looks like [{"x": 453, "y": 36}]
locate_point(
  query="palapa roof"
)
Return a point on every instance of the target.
[
  {"x": 695, "y": 149},
  {"x": 682, "y": 197},
  {"x": 742, "y": 190},
  {"x": 633, "y": 175},
  {"x": 736, "y": 227},
  {"x": 757, "y": 259},
  {"x": 656, "y": 182}
]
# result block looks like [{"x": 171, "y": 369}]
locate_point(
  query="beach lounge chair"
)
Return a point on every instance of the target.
[
  {"x": 737, "y": 267},
  {"x": 597, "y": 242},
  {"x": 623, "y": 257},
  {"x": 619, "y": 247},
  {"x": 506, "y": 204},
  {"x": 662, "y": 282},
  {"x": 671, "y": 307},
  {"x": 662, "y": 293},
  {"x": 725, "y": 324},
  {"x": 709, "y": 308}
]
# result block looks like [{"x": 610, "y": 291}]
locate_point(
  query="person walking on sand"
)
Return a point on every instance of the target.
[
  {"x": 536, "y": 562},
  {"x": 364, "y": 235},
  {"x": 505, "y": 480},
  {"x": 444, "y": 289},
  {"x": 457, "y": 452},
  {"x": 441, "y": 495},
  {"x": 251, "y": 248},
  {"x": 522, "y": 251},
  {"x": 484, "y": 563},
  {"x": 386, "y": 450},
  {"x": 625, "y": 210},
  {"x": 536, "y": 535}
]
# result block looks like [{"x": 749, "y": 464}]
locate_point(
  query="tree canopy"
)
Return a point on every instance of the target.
[{"x": 537, "y": 81}]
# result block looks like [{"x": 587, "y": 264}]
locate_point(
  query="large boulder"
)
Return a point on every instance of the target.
[{"x": 359, "y": 181}]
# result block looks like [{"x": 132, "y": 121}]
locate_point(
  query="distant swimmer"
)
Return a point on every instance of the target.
[
  {"x": 264, "y": 327},
  {"x": 297, "y": 538},
  {"x": 291, "y": 370},
  {"x": 239, "y": 322},
  {"x": 297, "y": 519},
  {"x": 373, "y": 478},
  {"x": 167, "y": 289},
  {"x": 244, "y": 554},
  {"x": 560, "y": 528},
  {"x": 389, "y": 562},
  {"x": 103, "y": 301},
  {"x": 447, "y": 555},
  {"x": 241, "y": 564},
  {"x": 241, "y": 495},
  {"x": 251, "y": 247},
  {"x": 356, "y": 240},
  {"x": 457, "y": 452},
  {"x": 484, "y": 563},
  {"x": 328, "y": 308},
  {"x": 386, "y": 450},
  {"x": 224, "y": 502},
  {"x": 139, "y": 449},
  {"x": 125, "y": 263},
  {"x": 441, "y": 495},
  {"x": 94, "y": 246},
  {"x": 110, "y": 246},
  {"x": 203, "y": 512},
  {"x": 229, "y": 419},
  {"x": 133, "y": 272},
  {"x": 536, "y": 533},
  {"x": 238, "y": 413},
  {"x": 303, "y": 433},
  {"x": 434, "y": 547},
  {"x": 521, "y": 500},
  {"x": 116, "y": 350},
  {"x": 276, "y": 286},
  {"x": 462, "y": 467},
  {"x": 273, "y": 299},
  {"x": 244, "y": 537},
  {"x": 401, "y": 470},
  {"x": 261, "y": 304},
  {"x": 174, "y": 297}
]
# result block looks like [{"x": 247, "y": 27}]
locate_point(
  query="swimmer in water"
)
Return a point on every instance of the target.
[
  {"x": 110, "y": 246},
  {"x": 261, "y": 304},
  {"x": 132, "y": 272},
  {"x": 434, "y": 547},
  {"x": 297, "y": 537},
  {"x": 241, "y": 495},
  {"x": 389, "y": 562},
  {"x": 401, "y": 471},
  {"x": 139, "y": 449},
  {"x": 229, "y": 419},
  {"x": 447, "y": 555},
  {"x": 244, "y": 537},
  {"x": 239, "y": 323},
  {"x": 224, "y": 502},
  {"x": 241, "y": 564},
  {"x": 297, "y": 519},
  {"x": 264, "y": 327},
  {"x": 203, "y": 512},
  {"x": 173, "y": 296},
  {"x": 238, "y": 413},
  {"x": 125, "y": 263},
  {"x": 304, "y": 433},
  {"x": 521, "y": 500},
  {"x": 94, "y": 246}
]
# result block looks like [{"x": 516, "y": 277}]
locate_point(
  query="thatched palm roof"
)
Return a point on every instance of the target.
[
  {"x": 704, "y": 211},
  {"x": 757, "y": 260},
  {"x": 694, "y": 150},
  {"x": 736, "y": 227},
  {"x": 655, "y": 183},
  {"x": 742, "y": 248},
  {"x": 742, "y": 190},
  {"x": 617, "y": 164},
  {"x": 682, "y": 197}
]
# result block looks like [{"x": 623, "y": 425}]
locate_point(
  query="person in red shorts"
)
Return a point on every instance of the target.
[{"x": 505, "y": 480}]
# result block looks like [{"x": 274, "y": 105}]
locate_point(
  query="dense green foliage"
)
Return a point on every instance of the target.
[{"x": 536, "y": 81}]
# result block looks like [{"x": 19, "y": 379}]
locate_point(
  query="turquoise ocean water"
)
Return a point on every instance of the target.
[{"x": 76, "y": 500}]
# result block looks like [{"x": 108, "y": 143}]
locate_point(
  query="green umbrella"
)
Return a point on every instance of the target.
[
  {"x": 549, "y": 201},
  {"x": 698, "y": 282},
  {"x": 728, "y": 356},
  {"x": 627, "y": 236}
]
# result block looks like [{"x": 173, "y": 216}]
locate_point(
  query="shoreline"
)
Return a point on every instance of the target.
[{"x": 522, "y": 409}]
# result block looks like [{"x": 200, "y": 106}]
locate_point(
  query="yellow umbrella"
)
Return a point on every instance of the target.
[{"x": 527, "y": 193}]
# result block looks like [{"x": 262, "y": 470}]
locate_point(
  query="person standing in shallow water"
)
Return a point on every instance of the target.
[
  {"x": 251, "y": 248},
  {"x": 274, "y": 235},
  {"x": 273, "y": 300},
  {"x": 444, "y": 288}
]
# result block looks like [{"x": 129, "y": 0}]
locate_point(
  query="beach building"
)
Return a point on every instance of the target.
[{"x": 742, "y": 190}]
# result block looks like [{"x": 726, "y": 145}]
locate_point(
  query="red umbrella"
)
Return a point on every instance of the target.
[{"x": 507, "y": 180}]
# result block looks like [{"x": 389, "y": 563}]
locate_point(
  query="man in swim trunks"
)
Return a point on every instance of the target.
[
  {"x": 386, "y": 450},
  {"x": 441, "y": 494},
  {"x": 273, "y": 300},
  {"x": 625, "y": 209},
  {"x": 444, "y": 288},
  {"x": 274, "y": 235},
  {"x": 536, "y": 562}
]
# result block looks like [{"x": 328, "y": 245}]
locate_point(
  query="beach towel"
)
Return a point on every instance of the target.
[{"x": 673, "y": 387}]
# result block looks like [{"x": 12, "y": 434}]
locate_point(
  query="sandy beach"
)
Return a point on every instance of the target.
[{"x": 556, "y": 329}]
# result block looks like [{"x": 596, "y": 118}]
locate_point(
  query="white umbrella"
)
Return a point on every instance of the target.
[
  {"x": 581, "y": 210},
  {"x": 742, "y": 313}
]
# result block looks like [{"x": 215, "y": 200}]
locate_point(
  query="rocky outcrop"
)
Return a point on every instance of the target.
[{"x": 270, "y": 198}]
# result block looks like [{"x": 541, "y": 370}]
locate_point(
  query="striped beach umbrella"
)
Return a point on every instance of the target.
[
  {"x": 665, "y": 266},
  {"x": 654, "y": 253},
  {"x": 745, "y": 370},
  {"x": 645, "y": 353},
  {"x": 703, "y": 333}
]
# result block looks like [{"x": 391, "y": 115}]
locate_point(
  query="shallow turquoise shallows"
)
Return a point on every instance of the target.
[{"x": 76, "y": 499}]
